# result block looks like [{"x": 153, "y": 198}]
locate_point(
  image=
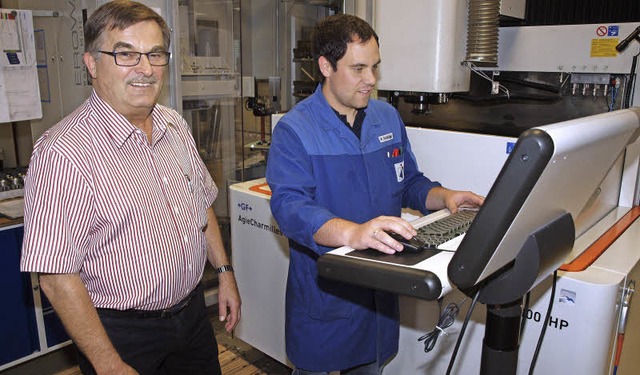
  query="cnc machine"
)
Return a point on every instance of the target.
[{"x": 466, "y": 89}]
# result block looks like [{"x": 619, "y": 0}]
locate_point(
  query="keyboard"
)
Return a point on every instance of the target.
[
  {"x": 440, "y": 231},
  {"x": 422, "y": 274}
]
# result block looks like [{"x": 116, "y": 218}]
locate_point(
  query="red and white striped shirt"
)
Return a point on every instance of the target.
[{"x": 128, "y": 216}]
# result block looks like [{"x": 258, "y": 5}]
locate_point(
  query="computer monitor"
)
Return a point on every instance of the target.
[{"x": 551, "y": 175}]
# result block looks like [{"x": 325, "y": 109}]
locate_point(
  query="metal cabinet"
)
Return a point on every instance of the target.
[
  {"x": 17, "y": 315},
  {"x": 28, "y": 325}
]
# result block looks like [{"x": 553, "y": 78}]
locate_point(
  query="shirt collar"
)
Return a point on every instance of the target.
[
  {"x": 117, "y": 126},
  {"x": 356, "y": 127}
]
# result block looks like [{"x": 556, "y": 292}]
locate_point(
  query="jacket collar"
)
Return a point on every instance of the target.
[{"x": 328, "y": 119}]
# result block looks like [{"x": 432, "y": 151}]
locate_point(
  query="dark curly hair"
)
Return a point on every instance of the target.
[{"x": 332, "y": 34}]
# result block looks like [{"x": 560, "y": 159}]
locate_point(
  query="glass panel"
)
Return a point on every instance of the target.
[
  {"x": 209, "y": 60},
  {"x": 277, "y": 70},
  {"x": 299, "y": 20},
  {"x": 209, "y": 69}
]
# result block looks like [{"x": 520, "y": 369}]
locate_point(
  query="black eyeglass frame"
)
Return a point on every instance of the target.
[{"x": 115, "y": 57}]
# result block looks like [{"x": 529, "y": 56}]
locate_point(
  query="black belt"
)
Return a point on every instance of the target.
[{"x": 150, "y": 314}]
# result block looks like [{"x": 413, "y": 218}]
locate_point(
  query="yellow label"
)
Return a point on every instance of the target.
[{"x": 604, "y": 47}]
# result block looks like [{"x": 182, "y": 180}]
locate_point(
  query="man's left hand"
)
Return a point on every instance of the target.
[
  {"x": 228, "y": 300},
  {"x": 439, "y": 198}
]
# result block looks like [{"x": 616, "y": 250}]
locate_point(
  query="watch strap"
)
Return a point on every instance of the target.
[{"x": 225, "y": 268}]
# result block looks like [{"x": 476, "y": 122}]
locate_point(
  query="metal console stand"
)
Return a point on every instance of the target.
[{"x": 501, "y": 339}]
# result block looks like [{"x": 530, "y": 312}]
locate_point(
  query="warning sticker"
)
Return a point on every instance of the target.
[{"x": 605, "y": 47}]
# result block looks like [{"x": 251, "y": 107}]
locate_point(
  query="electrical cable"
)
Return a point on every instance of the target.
[
  {"x": 482, "y": 74},
  {"x": 533, "y": 84},
  {"x": 525, "y": 307},
  {"x": 565, "y": 81},
  {"x": 447, "y": 317},
  {"x": 464, "y": 327},
  {"x": 632, "y": 76},
  {"x": 614, "y": 93},
  {"x": 544, "y": 326}
]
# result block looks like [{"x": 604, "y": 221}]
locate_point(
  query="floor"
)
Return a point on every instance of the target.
[
  {"x": 239, "y": 351},
  {"x": 236, "y": 358}
]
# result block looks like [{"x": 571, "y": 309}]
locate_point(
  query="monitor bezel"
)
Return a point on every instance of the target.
[{"x": 544, "y": 164}]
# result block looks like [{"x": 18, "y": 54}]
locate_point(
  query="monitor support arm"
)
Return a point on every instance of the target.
[{"x": 542, "y": 253}]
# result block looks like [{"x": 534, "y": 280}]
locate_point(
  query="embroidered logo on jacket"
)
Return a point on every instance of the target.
[
  {"x": 386, "y": 137},
  {"x": 399, "y": 171}
]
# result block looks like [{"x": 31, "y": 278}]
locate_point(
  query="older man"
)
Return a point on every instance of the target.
[{"x": 118, "y": 216}]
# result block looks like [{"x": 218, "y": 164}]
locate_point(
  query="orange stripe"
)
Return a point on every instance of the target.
[
  {"x": 593, "y": 252},
  {"x": 260, "y": 189}
]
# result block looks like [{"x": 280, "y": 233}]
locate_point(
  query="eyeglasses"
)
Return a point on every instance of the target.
[{"x": 131, "y": 58}]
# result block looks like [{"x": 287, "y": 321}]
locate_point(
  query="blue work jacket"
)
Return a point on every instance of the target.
[{"x": 317, "y": 170}]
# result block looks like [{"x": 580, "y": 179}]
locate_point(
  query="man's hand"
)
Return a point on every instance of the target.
[
  {"x": 116, "y": 368},
  {"x": 440, "y": 198},
  {"x": 228, "y": 300},
  {"x": 372, "y": 234},
  {"x": 228, "y": 295}
]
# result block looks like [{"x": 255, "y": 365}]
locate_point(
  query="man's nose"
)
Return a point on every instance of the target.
[
  {"x": 371, "y": 77},
  {"x": 144, "y": 65}
]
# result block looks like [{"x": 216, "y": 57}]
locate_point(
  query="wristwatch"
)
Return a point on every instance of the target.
[{"x": 225, "y": 268}]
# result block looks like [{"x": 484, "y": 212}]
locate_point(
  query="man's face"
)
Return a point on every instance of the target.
[
  {"x": 131, "y": 90},
  {"x": 350, "y": 86}
]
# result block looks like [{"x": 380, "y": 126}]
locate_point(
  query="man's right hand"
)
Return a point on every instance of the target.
[
  {"x": 372, "y": 234},
  {"x": 116, "y": 368}
]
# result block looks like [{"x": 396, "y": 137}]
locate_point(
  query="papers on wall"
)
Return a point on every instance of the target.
[{"x": 19, "y": 89}]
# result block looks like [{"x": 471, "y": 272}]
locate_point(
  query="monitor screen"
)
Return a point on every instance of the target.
[{"x": 553, "y": 170}]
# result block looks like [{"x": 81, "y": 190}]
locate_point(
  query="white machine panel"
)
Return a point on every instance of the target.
[
  {"x": 580, "y": 338},
  {"x": 461, "y": 161},
  {"x": 428, "y": 60},
  {"x": 261, "y": 262},
  {"x": 567, "y": 48},
  {"x": 513, "y": 8}
]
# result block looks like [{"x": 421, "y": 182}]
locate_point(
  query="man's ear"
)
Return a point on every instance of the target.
[
  {"x": 90, "y": 62},
  {"x": 325, "y": 66}
]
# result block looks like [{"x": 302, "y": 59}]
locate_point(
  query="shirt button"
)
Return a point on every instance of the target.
[
  {"x": 186, "y": 239},
  {"x": 166, "y": 180},
  {"x": 190, "y": 267},
  {"x": 176, "y": 209}
]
